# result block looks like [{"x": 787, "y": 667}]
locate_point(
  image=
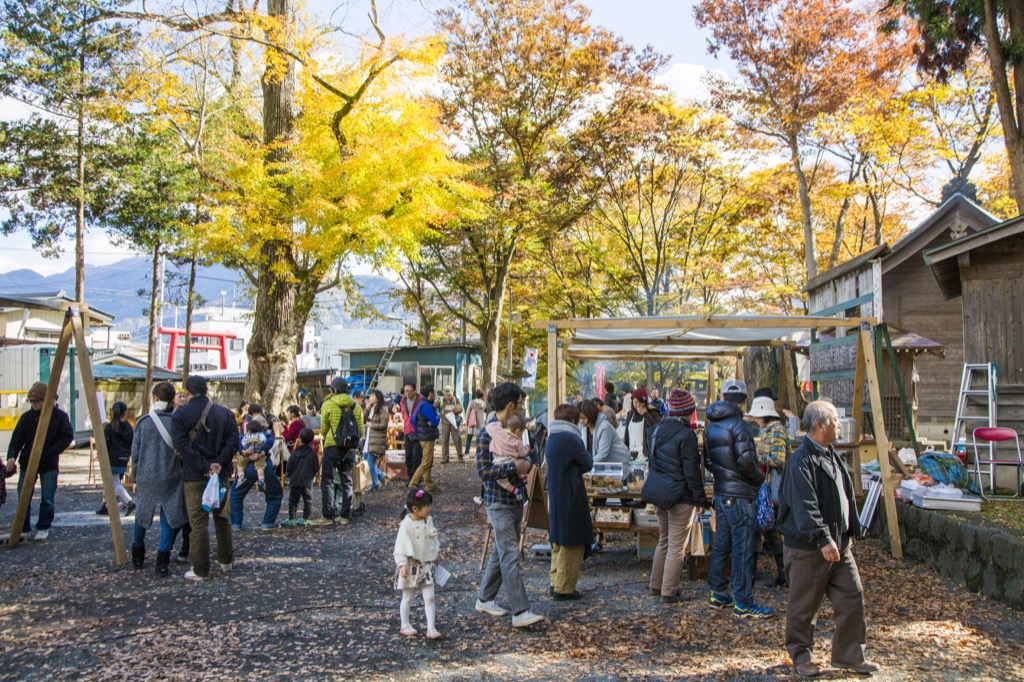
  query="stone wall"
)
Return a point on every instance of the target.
[{"x": 985, "y": 560}]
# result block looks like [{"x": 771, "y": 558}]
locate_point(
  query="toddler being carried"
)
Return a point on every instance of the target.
[{"x": 507, "y": 445}]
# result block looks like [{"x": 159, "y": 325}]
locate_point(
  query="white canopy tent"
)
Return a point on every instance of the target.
[{"x": 713, "y": 338}]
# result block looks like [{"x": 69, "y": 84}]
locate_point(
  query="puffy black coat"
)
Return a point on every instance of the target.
[
  {"x": 302, "y": 467},
  {"x": 729, "y": 452},
  {"x": 677, "y": 457}
]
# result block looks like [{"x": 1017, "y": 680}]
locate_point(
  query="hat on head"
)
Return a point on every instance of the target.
[
  {"x": 763, "y": 406},
  {"x": 680, "y": 403},
  {"x": 38, "y": 391},
  {"x": 734, "y": 387},
  {"x": 339, "y": 386},
  {"x": 448, "y": 390},
  {"x": 640, "y": 393}
]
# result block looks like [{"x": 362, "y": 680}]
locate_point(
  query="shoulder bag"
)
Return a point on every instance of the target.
[{"x": 660, "y": 490}]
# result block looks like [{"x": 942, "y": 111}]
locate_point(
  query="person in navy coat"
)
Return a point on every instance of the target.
[{"x": 569, "y": 524}]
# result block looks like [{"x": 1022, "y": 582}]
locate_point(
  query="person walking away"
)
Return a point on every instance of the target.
[
  {"x": 674, "y": 455},
  {"x": 602, "y": 439},
  {"x": 158, "y": 480},
  {"x": 338, "y": 410},
  {"x": 59, "y": 437},
  {"x": 206, "y": 436},
  {"x": 450, "y": 405},
  {"x": 730, "y": 455},
  {"x": 772, "y": 454},
  {"x": 640, "y": 420},
  {"x": 569, "y": 525},
  {"x": 818, "y": 519},
  {"x": 377, "y": 421},
  {"x": 416, "y": 550},
  {"x": 610, "y": 398},
  {"x": 475, "y": 417},
  {"x": 505, "y": 514},
  {"x": 409, "y": 404},
  {"x": 311, "y": 418},
  {"x": 118, "y": 434},
  {"x": 302, "y": 468},
  {"x": 427, "y": 421},
  {"x": 254, "y": 465}
]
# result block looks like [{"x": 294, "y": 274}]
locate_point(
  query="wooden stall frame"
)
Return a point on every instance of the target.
[
  {"x": 867, "y": 368},
  {"x": 75, "y": 319}
]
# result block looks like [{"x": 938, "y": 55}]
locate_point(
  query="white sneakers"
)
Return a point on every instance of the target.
[
  {"x": 526, "y": 619},
  {"x": 225, "y": 568},
  {"x": 490, "y": 608},
  {"x": 39, "y": 535},
  {"x": 191, "y": 575}
]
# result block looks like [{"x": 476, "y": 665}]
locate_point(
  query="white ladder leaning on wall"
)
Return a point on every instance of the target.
[{"x": 977, "y": 385}]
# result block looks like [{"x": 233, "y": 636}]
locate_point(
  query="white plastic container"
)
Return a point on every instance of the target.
[{"x": 965, "y": 503}]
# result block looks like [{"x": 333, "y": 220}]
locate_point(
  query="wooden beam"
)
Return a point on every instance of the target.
[
  {"x": 709, "y": 395},
  {"x": 788, "y": 380},
  {"x": 92, "y": 400},
  {"x": 739, "y": 368},
  {"x": 582, "y": 343},
  {"x": 795, "y": 323},
  {"x": 867, "y": 351},
  {"x": 640, "y": 357},
  {"x": 552, "y": 370},
  {"x": 858, "y": 417},
  {"x": 28, "y": 474},
  {"x": 562, "y": 389}
]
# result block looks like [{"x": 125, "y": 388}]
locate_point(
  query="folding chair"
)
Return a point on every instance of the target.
[{"x": 991, "y": 435}]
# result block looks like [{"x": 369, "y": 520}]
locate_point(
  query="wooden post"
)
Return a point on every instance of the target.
[
  {"x": 786, "y": 381},
  {"x": 710, "y": 397},
  {"x": 739, "y": 367},
  {"x": 92, "y": 399},
  {"x": 35, "y": 454},
  {"x": 552, "y": 370},
  {"x": 562, "y": 390},
  {"x": 866, "y": 350}
]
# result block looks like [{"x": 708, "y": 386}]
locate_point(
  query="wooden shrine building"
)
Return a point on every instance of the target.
[
  {"x": 983, "y": 273},
  {"x": 894, "y": 285}
]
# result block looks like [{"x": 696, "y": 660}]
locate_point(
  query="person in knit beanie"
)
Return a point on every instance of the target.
[{"x": 674, "y": 456}]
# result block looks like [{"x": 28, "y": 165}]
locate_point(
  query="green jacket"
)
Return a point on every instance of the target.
[{"x": 330, "y": 416}]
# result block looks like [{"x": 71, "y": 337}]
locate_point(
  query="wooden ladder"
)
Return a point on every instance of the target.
[{"x": 385, "y": 360}]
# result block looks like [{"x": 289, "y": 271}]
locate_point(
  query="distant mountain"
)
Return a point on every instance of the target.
[{"x": 122, "y": 289}]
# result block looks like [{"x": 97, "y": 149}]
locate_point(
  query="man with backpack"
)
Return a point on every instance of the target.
[
  {"x": 426, "y": 421},
  {"x": 341, "y": 424},
  {"x": 205, "y": 435}
]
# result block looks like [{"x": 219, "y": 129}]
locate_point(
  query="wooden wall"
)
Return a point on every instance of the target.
[
  {"x": 913, "y": 302},
  {"x": 993, "y": 320}
]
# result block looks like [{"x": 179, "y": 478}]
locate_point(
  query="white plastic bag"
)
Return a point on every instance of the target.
[
  {"x": 211, "y": 494},
  {"x": 908, "y": 457},
  {"x": 441, "y": 575}
]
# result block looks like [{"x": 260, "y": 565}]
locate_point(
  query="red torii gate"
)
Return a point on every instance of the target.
[{"x": 219, "y": 343}]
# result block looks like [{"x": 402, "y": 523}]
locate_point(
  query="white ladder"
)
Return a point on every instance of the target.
[
  {"x": 969, "y": 413},
  {"x": 385, "y": 360}
]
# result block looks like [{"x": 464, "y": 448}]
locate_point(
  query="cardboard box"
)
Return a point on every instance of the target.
[{"x": 646, "y": 543}]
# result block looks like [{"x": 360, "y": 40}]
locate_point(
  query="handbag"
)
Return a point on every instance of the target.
[
  {"x": 660, "y": 490},
  {"x": 765, "y": 509},
  {"x": 365, "y": 480}
]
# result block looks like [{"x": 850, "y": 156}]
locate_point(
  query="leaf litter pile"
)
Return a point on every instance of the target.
[{"x": 318, "y": 604}]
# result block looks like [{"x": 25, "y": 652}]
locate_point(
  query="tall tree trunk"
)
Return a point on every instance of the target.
[
  {"x": 154, "y": 315},
  {"x": 1009, "y": 99},
  {"x": 276, "y": 331},
  {"x": 489, "y": 351},
  {"x": 80, "y": 189},
  {"x": 810, "y": 258},
  {"x": 189, "y": 304}
]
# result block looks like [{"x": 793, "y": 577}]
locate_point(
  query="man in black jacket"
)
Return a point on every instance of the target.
[
  {"x": 818, "y": 519},
  {"x": 730, "y": 454},
  {"x": 59, "y": 436},
  {"x": 206, "y": 437}
]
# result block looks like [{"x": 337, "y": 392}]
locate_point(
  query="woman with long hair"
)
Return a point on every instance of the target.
[
  {"x": 376, "y": 417},
  {"x": 118, "y": 435}
]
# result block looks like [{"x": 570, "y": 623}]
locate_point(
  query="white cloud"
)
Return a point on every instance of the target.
[{"x": 687, "y": 82}]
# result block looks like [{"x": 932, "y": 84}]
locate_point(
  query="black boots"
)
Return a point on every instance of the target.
[
  {"x": 163, "y": 560},
  {"x": 780, "y": 578},
  {"x": 138, "y": 555},
  {"x": 186, "y": 536}
]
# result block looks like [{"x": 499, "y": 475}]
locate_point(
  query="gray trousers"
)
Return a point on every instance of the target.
[
  {"x": 503, "y": 564},
  {"x": 449, "y": 432},
  {"x": 810, "y": 578}
]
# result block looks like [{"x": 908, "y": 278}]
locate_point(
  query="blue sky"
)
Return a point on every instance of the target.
[{"x": 666, "y": 25}]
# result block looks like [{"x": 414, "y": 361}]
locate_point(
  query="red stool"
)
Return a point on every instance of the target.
[{"x": 992, "y": 435}]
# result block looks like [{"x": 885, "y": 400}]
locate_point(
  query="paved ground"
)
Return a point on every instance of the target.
[{"x": 318, "y": 604}]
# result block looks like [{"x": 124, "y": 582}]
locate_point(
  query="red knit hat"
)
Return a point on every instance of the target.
[
  {"x": 680, "y": 403},
  {"x": 640, "y": 393}
]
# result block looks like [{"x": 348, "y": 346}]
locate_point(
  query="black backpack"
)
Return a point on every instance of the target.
[{"x": 347, "y": 435}]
